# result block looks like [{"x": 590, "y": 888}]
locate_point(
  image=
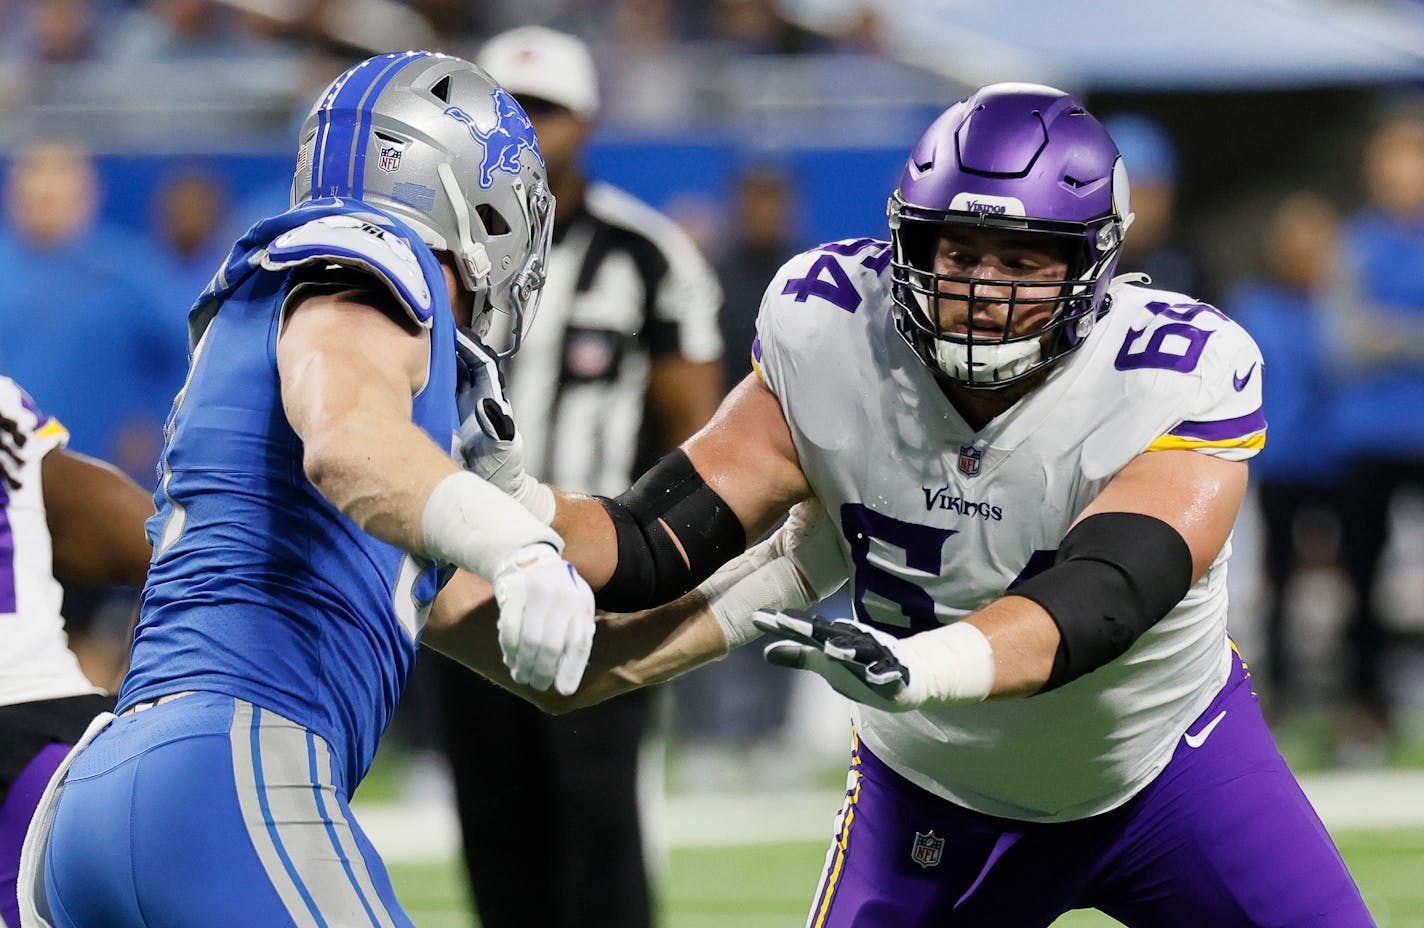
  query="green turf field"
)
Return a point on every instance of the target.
[{"x": 769, "y": 885}]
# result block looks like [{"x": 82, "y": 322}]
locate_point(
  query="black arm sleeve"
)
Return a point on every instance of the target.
[
  {"x": 670, "y": 501},
  {"x": 1116, "y": 575}
]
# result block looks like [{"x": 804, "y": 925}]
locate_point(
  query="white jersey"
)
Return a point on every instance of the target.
[
  {"x": 937, "y": 519},
  {"x": 35, "y": 660}
]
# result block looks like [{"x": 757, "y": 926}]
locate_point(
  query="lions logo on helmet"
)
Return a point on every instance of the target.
[{"x": 503, "y": 143}]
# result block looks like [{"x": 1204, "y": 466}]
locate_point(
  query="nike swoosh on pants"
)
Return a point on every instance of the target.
[{"x": 1198, "y": 739}]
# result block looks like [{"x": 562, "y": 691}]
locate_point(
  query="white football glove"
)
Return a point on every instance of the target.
[
  {"x": 490, "y": 444},
  {"x": 952, "y": 664},
  {"x": 545, "y": 619}
]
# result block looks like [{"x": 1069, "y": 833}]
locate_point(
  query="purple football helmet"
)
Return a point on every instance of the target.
[{"x": 1020, "y": 157}]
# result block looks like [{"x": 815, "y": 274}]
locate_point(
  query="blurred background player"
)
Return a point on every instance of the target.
[
  {"x": 1153, "y": 248},
  {"x": 104, "y": 374},
  {"x": 731, "y": 718},
  {"x": 624, "y": 364},
  {"x": 308, "y": 514},
  {"x": 1380, "y": 420},
  {"x": 109, "y": 376},
  {"x": 1298, "y": 479},
  {"x": 61, "y": 515}
]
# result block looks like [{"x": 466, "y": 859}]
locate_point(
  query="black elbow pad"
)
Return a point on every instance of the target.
[
  {"x": 669, "y": 506},
  {"x": 1116, "y": 575}
]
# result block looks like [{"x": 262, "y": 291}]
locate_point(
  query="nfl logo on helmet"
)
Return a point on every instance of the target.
[
  {"x": 970, "y": 458},
  {"x": 390, "y": 158},
  {"x": 928, "y": 849}
]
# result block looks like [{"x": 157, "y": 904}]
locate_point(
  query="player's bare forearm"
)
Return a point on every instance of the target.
[
  {"x": 95, "y": 514},
  {"x": 1024, "y": 640},
  {"x": 629, "y": 651}
]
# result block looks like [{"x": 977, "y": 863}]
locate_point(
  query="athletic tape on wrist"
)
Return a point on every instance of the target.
[
  {"x": 537, "y": 498},
  {"x": 471, "y": 524},
  {"x": 950, "y": 664}
]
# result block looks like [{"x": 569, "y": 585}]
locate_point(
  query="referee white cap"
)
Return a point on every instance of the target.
[{"x": 533, "y": 61}]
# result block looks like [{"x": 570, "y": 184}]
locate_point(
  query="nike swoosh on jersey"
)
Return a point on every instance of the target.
[
  {"x": 1239, "y": 381},
  {"x": 1197, "y": 740}
]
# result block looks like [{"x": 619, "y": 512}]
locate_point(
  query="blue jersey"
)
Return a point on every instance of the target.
[
  {"x": 1378, "y": 413},
  {"x": 1298, "y": 385},
  {"x": 260, "y": 589}
]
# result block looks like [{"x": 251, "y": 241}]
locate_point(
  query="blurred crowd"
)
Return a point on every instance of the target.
[
  {"x": 92, "y": 314},
  {"x": 100, "y": 67}
]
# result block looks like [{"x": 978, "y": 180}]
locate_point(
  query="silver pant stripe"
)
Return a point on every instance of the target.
[{"x": 310, "y": 857}]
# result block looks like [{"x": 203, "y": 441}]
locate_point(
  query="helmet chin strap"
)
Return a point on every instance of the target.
[{"x": 472, "y": 258}]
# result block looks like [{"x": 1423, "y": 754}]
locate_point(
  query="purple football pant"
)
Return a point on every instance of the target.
[
  {"x": 15, "y": 814},
  {"x": 1223, "y": 837}
]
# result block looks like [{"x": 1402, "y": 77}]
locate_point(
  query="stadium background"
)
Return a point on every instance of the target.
[{"x": 1259, "y": 96}]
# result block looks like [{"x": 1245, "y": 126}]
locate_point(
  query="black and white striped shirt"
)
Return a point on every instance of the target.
[{"x": 625, "y": 286}]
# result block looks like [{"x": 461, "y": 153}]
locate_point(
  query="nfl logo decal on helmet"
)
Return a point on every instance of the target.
[
  {"x": 390, "y": 158},
  {"x": 927, "y": 850}
]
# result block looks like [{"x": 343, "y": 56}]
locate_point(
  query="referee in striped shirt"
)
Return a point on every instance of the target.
[{"x": 625, "y": 362}]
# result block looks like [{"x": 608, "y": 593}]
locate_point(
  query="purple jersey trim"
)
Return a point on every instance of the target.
[
  {"x": 8, "y": 602},
  {"x": 1222, "y": 428}
]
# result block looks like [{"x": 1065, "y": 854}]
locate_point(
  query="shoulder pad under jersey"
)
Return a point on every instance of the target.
[{"x": 356, "y": 242}]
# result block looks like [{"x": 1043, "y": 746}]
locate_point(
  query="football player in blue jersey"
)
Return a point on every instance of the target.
[
  {"x": 309, "y": 510},
  {"x": 1030, "y": 469}
]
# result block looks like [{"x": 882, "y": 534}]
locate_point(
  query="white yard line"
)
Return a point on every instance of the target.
[{"x": 407, "y": 832}]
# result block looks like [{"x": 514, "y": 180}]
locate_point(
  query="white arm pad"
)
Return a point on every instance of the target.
[
  {"x": 799, "y": 565},
  {"x": 471, "y": 524}
]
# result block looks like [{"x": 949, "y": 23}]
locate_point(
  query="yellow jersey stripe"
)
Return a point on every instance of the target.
[
  {"x": 1178, "y": 443},
  {"x": 52, "y": 428}
]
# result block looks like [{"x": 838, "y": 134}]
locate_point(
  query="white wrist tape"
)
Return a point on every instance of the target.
[
  {"x": 952, "y": 664},
  {"x": 536, "y": 497},
  {"x": 471, "y": 524}
]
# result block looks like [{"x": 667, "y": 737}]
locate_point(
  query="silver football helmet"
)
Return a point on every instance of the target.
[{"x": 434, "y": 141}]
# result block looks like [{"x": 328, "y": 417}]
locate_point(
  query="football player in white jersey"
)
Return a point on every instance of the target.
[
  {"x": 1030, "y": 471},
  {"x": 67, "y": 515}
]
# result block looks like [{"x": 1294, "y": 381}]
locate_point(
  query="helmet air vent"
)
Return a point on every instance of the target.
[
  {"x": 441, "y": 89},
  {"x": 493, "y": 219}
]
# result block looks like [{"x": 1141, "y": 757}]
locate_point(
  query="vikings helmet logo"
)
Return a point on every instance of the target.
[{"x": 511, "y": 134}]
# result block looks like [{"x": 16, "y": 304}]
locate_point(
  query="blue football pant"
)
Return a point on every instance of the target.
[{"x": 208, "y": 810}]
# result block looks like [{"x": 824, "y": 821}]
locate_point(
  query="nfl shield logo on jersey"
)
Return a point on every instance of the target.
[
  {"x": 970, "y": 458},
  {"x": 928, "y": 849},
  {"x": 390, "y": 158}
]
